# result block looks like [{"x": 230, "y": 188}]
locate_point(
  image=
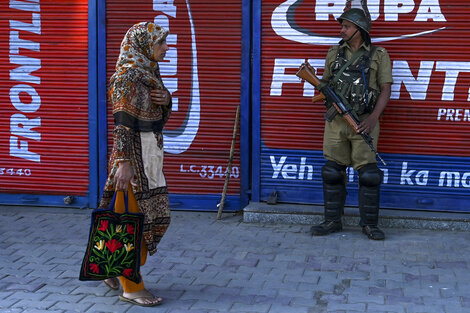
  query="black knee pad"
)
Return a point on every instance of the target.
[
  {"x": 370, "y": 175},
  {"x": 333, "y": 173}
]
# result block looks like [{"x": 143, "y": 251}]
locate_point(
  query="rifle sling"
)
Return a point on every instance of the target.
[{"x": 356, "y": 55}]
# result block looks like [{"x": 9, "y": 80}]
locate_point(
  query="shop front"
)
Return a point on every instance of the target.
[{"x": 425, "y": 127}]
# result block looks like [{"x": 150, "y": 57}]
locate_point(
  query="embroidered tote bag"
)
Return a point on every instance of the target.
[{"x": 115, "y": 240}]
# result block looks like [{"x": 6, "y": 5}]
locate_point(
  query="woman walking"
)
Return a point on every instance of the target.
[{"x": 141, "y": 107}]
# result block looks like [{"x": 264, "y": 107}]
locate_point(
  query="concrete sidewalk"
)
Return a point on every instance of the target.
[{"x": 205, "y": 265}]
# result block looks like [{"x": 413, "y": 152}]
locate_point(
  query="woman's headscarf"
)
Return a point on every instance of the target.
[
  {"x": 137, "y": 49},
  {"x": 136, "y": 64}
]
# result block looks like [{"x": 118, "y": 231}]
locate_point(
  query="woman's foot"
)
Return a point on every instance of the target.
[
  {"x": 112, "y": 283},
  {"x": 142, "y": 298}
]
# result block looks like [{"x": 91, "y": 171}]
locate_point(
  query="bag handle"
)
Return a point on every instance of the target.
[{"x": 126, "y": 200}]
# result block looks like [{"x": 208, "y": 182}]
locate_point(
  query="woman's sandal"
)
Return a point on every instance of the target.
[
  {"x": 138, "y": 298},
  {"x": 112, "y": 283}
]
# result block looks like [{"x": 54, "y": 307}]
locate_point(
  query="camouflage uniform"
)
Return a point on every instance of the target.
[{"x": 340, "y": 143}]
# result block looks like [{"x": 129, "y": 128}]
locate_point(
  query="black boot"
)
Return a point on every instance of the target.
[
  {"x": 326, "y": 228},
  {"x": 334, "y": 194},
  {"x": 373, "y": 232},
  {"x": 370, "y": 178}
]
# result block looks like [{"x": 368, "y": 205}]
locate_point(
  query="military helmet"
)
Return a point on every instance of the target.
[{"x": 357, "y": 17}]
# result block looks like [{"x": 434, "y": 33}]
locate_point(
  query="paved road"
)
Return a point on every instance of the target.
[{"x": 205, "y": 265}]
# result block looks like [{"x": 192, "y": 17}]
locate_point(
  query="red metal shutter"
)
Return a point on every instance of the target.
[
  {"x": 44, "y": 111},
  {"x": 202, "y": 71},
  {"x": 424, "y": 131}
]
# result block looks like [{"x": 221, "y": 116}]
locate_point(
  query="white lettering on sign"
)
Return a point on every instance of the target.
[
  {"x": 453, "y": 179},
  {"x": 277, "y": 167},
  {"x": 25, "y": 130},
  {"x": 417, "y": 87},
  {"x": 428, "y": 10},
  {"x": 325, "y": 8},
  {"x": 290, "y": 170},
  {"x": 465, "y": 180},
  {"x": 402, "y": 74},
  {"x": 279, "y": 74},
  {"x": 179, "y": 140},
  {"x": 280, "y": 77},
  {"x": 210, "y": 171},
  {"x": 168, "y": 68},
  {"x": 165, "y": 6},
  {"x": 304, "y": 166},
  {"x": 283, "y": 169},
  {"x": 15, "y": 171},
  {"x": 446, "y": 178},
  {"x": 27, "y": 66},
  {"x": 408, "y": 177},
  {"x": 282, "y": 21},
  {"x": 16, "y": 42},
  {"x": 452, "y": 70},
  {"x": 457, "y": 115},
  {"x": 394, "y": 8},
  {"x": 21, "y": 126},
  {"x": 31, "y": 107}
]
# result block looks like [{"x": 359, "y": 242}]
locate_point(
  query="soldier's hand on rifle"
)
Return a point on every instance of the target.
[{"x": 368, "y": 125}]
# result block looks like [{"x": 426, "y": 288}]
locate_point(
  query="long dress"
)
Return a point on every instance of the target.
[{"x": 143, "y": 148}]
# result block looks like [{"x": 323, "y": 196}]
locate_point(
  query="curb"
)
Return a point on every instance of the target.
[{"x": 284, "y": 213}]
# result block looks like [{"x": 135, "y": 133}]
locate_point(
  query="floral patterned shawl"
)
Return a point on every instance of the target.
[{"x": 137, "y": 73}]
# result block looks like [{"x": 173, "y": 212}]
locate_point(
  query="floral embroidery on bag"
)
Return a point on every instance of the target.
[
  {"x": 113, "y": 248},
  {"x": 113, "y": 251}
]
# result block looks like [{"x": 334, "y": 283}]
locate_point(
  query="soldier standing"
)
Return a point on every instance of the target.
[{"x": 360, "y": 73}]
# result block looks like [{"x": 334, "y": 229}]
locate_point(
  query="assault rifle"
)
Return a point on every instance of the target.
[{"x": 307, "y": 73}]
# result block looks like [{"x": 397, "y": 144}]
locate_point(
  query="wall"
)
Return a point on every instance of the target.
[
  {"x": 44, "y": 117},
  {"x": 202, "y": 70},
  {"x": 424, "y": 130}
]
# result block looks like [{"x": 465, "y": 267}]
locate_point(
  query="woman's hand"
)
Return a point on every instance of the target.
[
  {"x": 124, "y": 176},
  {"x": 160, "y": 97}
]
